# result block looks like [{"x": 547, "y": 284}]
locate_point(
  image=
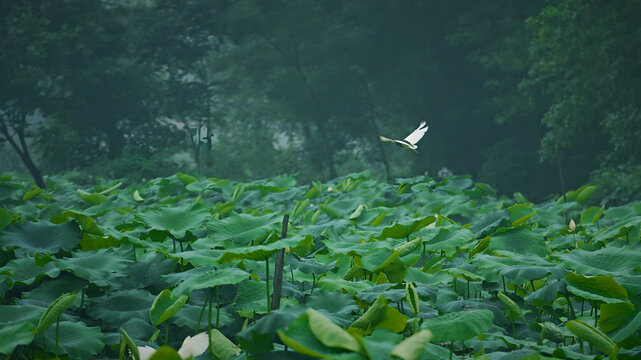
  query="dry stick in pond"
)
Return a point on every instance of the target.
[{"x": 278, "y": 269}]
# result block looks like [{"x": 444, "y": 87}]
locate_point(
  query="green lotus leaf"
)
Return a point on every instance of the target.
[
  {"x": 460, "y": 325},
  {"x": 378, "y": 258},
  {"x": 580, "y": 195},
  {"x": 185, "y": 178},
  {"x": 117, "y": 307},
  {"x": 260, "y": 252},
  {"x": 490, "y": 221},
  {"x": 5, "y": 218},
  {"x": 15, "y": 334},
  {"x": 189, "y": 315},
  {"x": 257, "y": 338},
  {"x": 380, "y": 343},
  {"x": 464, "y": 274},
  {"x": 200, "y": 257},
  {"x": 610, "y": 260},
  {"x": 176, "y": 220},
  {"x": 405, "y": 229},
  {"x": 593, "y": 336},
  {"x": 41, "y": 237},
  {"x": 619, "y": 229},
  {"x": 380, "y": 315},
  {"x": 274, "y": 184},
  {"x": 308, "y": 266},
  {"x": 210, "y": 279},
  {"x": 480, "y": 246},
  {"x": 340, "y": 209},
  {"x": 519, "y": 211},
  {"x": 613, "y": 316},
  {"x": 76, "y": 339},
  {"x": 583, "y": 193},
  {"x": 25, "y": 271},
  {"x": 600, "y": 287},
  {"x": 127, "y": 343},
  {"x": 333, "y": 284},
  {"x": 330, "y": 334},
  {"x": 337, "y": 306},
  {"x": 200, "y": 186},
  {"x": 520, "y": 241},
  {"x": 222, "y": 347},
  {"x": 138, "y": 328},
  {"x": 591, "y": 214},
  {"x": 92, "y": 198},
  {"x": 547, "y": 293},
  {"x": 165, "y": 305},
  {"x": 412, "y": 347},
  {"x": 24, "y": 312},
  {"x": 94, "y": 266},
  {"x": 449, "y": 239},
  {"x": 86, "y": 222},
  {"x": 241, "y": 229},
  {"x": 418, "y": 276},
  {"x": 628, "y": 330},
  {"x": 251, "y": 297},
  {"x": 299, "y": 336},
  {"x": 522, "y": 273}
]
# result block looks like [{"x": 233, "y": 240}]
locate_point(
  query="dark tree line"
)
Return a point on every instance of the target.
[{"x": 529, "y": 96}]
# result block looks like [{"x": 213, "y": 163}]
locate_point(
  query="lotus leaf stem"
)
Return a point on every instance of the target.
[
  {"x": 57, "y": 334},
  {"x": 468, "y": 288},
  {"x": 269, "y": 305},
  {"x": 570, "y": 307},
  {"x": 217, "y": 307},
  {"x": 82, "y": 298},
  {"x": 209, "y": 322},
  {"x": 166, "y": 332},
  {"x": 200, "y": 317}
]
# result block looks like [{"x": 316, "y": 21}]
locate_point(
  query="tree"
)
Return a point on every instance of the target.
[
  {"x": 27, "y": 45},
  {"x": 585, "y": 62}
]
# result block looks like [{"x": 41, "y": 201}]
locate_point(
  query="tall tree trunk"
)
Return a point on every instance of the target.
[{"x": 22, "y": 149}]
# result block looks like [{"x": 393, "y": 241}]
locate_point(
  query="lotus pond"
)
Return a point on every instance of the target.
[{"x": 354, "y": 268}]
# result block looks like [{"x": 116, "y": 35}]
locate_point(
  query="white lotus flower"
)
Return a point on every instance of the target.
[
  {"x": 412, "y": 139},
  {"x": 192, "y": 346},
  {"x": 572, "y": 225}
]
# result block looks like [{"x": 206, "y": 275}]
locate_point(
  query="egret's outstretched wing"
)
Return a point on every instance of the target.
[{"x": 417, "y": 134}]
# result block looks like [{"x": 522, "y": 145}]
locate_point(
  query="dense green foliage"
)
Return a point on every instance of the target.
[
  {"x": 422, "y": 268},
  {"x": 529, "y": 96}
]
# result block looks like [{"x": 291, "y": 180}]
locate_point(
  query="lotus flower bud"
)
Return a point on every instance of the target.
[{"x": 572, "y": 225}]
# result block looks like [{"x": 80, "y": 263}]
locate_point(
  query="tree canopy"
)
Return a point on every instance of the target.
[{"x": 534, "y": 96}]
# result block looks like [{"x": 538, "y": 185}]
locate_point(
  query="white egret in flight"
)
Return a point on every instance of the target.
[{"x": 410, "y": 141}]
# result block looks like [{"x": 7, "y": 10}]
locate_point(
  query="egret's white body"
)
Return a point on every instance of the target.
[{"x": 412, "y": 139}]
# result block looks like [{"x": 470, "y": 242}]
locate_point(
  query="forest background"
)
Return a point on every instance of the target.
[{"x": 530, "y": 96}]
